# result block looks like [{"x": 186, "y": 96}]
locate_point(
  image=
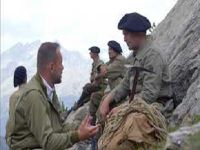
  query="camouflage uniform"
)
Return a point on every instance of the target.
[
  {"x": 115, "y": 73},
  {"x": 94, "y": 86}
]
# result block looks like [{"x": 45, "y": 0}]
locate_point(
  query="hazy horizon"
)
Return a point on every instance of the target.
[{"x": 77, "y": 25}]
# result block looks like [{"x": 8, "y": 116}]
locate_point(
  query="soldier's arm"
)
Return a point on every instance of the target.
[
  {"x": 122, "y": 90},
  {"x": 41, "y": 127},
  {"x": 152, "y": 82},
  {"x": 116, "y": 95},
  {"x": 116, "y": 69}
]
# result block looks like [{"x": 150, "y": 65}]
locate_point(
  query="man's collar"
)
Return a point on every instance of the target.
[
  {"x": 50, "y": 90},
  {"x": 46, "y": 84}
]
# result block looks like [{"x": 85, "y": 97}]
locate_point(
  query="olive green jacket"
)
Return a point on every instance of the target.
[
  {"x": 150, "y": 86},
  {"x": 12, "y": 104},
  {"x": 36, "y": 121},
  {"x": 115, "y": 71},
  {"x": 14, "y": 98}
]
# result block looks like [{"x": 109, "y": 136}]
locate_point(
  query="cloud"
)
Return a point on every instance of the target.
[{"x": 76, "y": 24}]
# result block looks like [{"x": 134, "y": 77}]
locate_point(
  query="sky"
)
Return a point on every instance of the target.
[{"x": 75, "y": 24}]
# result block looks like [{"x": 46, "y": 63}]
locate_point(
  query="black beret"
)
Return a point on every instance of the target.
[
  {"x": 115, "y": 46},
  {"x": 94, "y": 49},
  {"x": 19, "y": 75},
  {"x": 134, "y": 22}
]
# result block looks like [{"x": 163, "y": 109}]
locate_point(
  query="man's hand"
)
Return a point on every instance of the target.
[
  {"x": 86, "y": 130},
  {"x": 114, "y": 111},
  {"x": 104, "y": 107}
]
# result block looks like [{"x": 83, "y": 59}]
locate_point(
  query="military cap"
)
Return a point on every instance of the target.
[
  {"x": 19, "y": 75},
  {"x": 115, "y": 46},
  {"x": 94, "y": 49},
  {"x": 134, "y": 22}
]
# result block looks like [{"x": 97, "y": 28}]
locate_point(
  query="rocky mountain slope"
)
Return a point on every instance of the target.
[{"x": 178, "y": 35}]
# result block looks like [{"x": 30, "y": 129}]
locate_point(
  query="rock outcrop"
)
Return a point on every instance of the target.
[
  {"x": 75, "y": 118},
  {"x": 178, "y": 36},
  {"x": 78, "y": 115},
  {"x": 185, "y": 138}
]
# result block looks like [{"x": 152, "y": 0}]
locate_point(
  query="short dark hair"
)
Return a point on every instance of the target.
[{"x": 46, "y": 54}]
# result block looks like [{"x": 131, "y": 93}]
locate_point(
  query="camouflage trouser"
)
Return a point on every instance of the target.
[
  {"x": 95, "y": 101},
  {"x": 88, "y": 89}
]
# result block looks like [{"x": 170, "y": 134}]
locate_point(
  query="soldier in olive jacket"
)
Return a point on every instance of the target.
[
  {"x": 96, "y": 84},
  {"x": 114, "y": 71},
  {"x": 154, "y": 87}
]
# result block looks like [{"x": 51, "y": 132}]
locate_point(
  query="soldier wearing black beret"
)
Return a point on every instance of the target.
[
  {"x": 151, "y": 88},
  {"x": 115, "y": 46},
  {"x": 95, "y": 84},
  {"x": 113, "y": 70},
  {"x": 94, "y": 49},
  {"x": 134, "y": 22}
]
